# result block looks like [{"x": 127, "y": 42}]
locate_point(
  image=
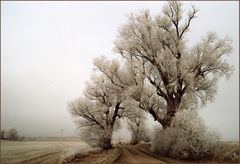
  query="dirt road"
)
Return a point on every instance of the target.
[{"x": 131, "y": 154}]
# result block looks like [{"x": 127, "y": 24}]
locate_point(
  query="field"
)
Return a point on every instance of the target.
[{"x": 36, "y": 151}]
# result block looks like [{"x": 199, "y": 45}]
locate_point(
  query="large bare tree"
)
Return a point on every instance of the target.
[
  {"x": 181, "y": 76},
  {"x": 99, "y": 111}
]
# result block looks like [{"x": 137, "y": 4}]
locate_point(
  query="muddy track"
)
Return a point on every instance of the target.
[
  {"x": 131, "y": 154},
  {"x": 41, "y": 158}
]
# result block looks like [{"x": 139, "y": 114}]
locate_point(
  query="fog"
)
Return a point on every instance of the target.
[{"x": 47, "y": 49}]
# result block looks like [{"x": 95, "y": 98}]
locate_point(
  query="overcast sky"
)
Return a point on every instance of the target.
[{"x": 47, "y": 49}]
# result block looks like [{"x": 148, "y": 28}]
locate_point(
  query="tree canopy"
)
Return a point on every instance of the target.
[
  {"x": 183, "y": 76},
  {"x": 159, "y": 72}
]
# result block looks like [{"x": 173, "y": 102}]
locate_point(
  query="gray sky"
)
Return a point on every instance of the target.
[{"x": 48, "y": 49}]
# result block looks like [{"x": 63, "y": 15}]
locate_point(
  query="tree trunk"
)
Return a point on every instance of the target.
[
  {"x": 168, "y": 118},
  {"x": 172, "y": 108},
  {"x": 106, "y": 143},
  {"x": 134, "y": 140}
]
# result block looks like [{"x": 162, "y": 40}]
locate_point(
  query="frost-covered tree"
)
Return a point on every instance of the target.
[
  {"x": 91, "y": 117},
  {"x": 96, "y": 118},
  {"x": 168, "y": 74},
  {"x": 100, "y": 110},
  {"x": 11, "y": 134}
]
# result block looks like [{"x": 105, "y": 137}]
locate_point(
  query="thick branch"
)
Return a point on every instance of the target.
[{"x": 117, "y": 107}]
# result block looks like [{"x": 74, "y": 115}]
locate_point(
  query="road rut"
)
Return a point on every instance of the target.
[{"x": 130, "y": 154}]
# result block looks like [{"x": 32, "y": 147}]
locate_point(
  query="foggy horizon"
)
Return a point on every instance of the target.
[{"x": 48, "y": 50}]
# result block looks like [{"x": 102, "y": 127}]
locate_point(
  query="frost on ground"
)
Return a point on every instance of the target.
[
  {"x": 88, "y": 154},
  {"x": 32, "y": 152},
  {"x": 75, "y": 152}
]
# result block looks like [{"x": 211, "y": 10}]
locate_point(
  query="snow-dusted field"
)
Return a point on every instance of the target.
[{"x": 37, "y": 151}]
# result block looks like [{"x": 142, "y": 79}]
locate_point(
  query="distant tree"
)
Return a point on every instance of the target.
[
  {"x": 12, "y": 134},
  {"x": 136, "y": 125},
  {"x": 22, "y": 138},
  {"x": 31, "y": 138},
  {"x": 180, "y": 76},
  {"x": 3, "y": 133}
]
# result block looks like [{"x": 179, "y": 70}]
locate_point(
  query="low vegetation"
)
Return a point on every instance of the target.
[
  {"x": 75, "y": 153},
  {"x": 186, "y": 138},
  {"x": 228, "y": 152}
]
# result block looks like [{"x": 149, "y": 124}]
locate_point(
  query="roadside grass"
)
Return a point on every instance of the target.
[
  {"x": 94, "y": 156},
  {"x": 228, "y": 152}
]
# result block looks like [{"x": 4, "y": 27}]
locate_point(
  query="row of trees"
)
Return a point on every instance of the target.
[
  {"x": 104, "y": 104},
  {"x": 10, "y": 134},
  {"x": 158, "y": 74}
]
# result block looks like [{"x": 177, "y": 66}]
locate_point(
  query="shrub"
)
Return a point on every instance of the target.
[
  {"x": 96, "y": 137},
  {"x": 73, "y": 154},
  {"x": 186, "y": 138}
]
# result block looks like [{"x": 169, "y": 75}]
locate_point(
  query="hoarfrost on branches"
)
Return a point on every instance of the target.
[
  {"x": 187, "y": 138},
  {"x": 183, "y": 77}
]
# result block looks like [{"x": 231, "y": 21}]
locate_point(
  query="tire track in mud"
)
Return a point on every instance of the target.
[
  {"x": 41, "y": 158},
  {"x": 131, "y": 154}
]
